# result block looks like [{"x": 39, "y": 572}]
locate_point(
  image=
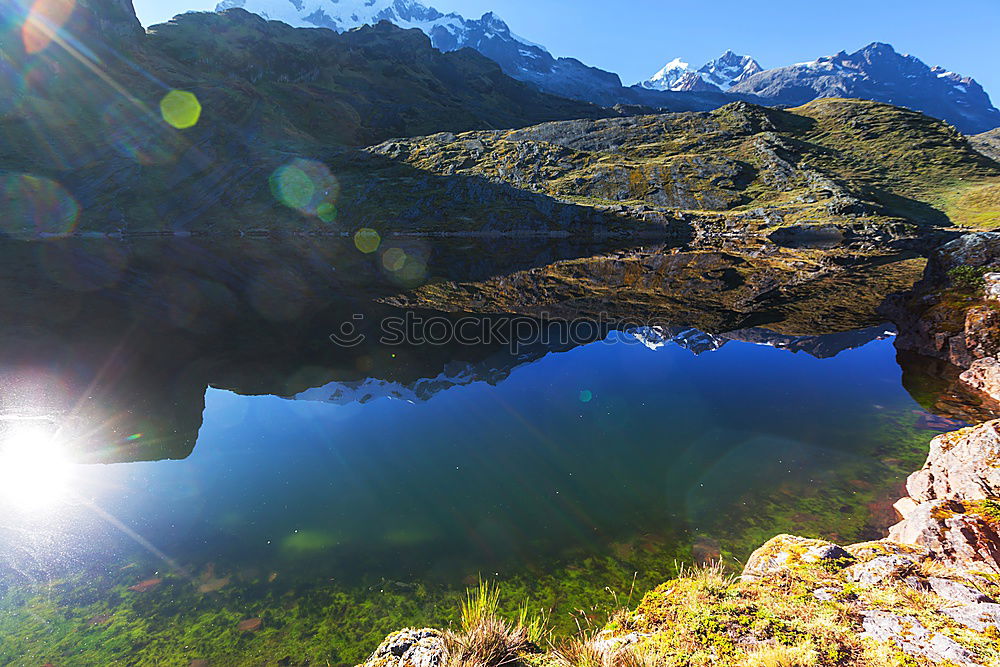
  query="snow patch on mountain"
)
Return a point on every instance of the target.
[
  {"x": 489, "y": 35},
  {"x": 448, "y": 32}
]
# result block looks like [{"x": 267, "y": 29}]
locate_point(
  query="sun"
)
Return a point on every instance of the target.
[{"x": 35, "y": 470}]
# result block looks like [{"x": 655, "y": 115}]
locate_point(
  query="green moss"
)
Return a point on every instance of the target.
[{"x": 968, "y": 277}]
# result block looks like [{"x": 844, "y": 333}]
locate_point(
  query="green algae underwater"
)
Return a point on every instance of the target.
[{"x": 303, "y": 531}]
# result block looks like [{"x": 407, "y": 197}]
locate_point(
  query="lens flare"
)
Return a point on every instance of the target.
[
  {"x": 12, "y": 85},
  {"x": 44, "y": 21},
  {"x": 367, "y": 240},
  {"x": 180, "y": 109},
  {"x": 139, "y": 135},
  {"x": 293, "y": 187},
  {"x": 35, "y": 470},
  {"x": 406, "y": 265},
  {"x": 308, "y": 187},
  {"x": 394, "y": 259},
  {"x": 35, "y": 207}
]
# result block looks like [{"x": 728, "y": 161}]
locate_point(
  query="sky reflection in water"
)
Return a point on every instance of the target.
[{"x": 574, "y": 453}]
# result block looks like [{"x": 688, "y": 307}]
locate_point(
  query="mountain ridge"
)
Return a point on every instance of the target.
[
  {"x": 878, "y": 72},
  {"x": 875, "y": 72}
]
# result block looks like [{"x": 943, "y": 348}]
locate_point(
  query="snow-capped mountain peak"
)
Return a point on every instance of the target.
[
  {"x": 729, "y": 69},
  {"x": 718, "y": 75},
  {"x": 668, "y": 77}
]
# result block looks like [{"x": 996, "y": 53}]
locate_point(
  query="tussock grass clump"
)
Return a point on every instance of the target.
[
  {"x": 485, "y": 638},
  {"x": 801, "y": 655},
  {"x": 591, "y": 651}
]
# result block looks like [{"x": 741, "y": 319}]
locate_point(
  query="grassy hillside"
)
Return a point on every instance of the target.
[{"x": 839, "y": 161}]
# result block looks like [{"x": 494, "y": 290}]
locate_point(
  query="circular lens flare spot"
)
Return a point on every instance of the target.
[
  {"x": 293, "y": 187},
  {"x": 308, "y": 187},
  {"x": 367, "y": 240},
  {"x": 586, "y": 396},
  {"x": 35, "y": 470},
  {"x": 43, "y": 23},
  {"x": 180, "y": 109},
  {"x": 327, "y": 212},
  {"x": 394, "y": 259},
  {"x": 36, "y": 207}
]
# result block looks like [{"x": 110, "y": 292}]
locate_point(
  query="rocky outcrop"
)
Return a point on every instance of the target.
[
  {"x": 953, "y": 312},
  {"x": 952, "y": 510},
  {"x": 947, "y": 545},
  {"x": 984, "y": 376},
  {"x": 988, "y": 144},
  {"x": 915, "y": 639},
  {"x": 958, "y": 534},
  {"x": 962, "y": 465}
]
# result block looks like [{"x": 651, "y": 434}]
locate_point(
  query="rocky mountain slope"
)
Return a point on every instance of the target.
[
  {"x": 846, "y": 163},
  {"x": 878, "y": 72},
  {"x": 988, "y": 143},
  {"x": 93, "y": 137},
  {"x": 718, "y": 75}
]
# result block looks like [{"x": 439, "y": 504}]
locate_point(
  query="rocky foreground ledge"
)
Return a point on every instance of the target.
[{"x": 927, "y": 594}]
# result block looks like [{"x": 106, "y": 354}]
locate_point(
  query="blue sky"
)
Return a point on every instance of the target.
[{"x": 636, "y": 37}]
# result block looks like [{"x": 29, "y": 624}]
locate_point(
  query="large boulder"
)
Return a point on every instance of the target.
[
  {"x": 914, "y": 638},
  {"x": 410, "y": 648},
  {"x": 786, "y": 553},
  {"x": 979, "y": 249},
  {"x": 961, "y": 465},
  {"x": 961, "y": 534}
]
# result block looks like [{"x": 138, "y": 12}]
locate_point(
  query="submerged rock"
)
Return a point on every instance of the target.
[
  {"x": 146, "y": 586},
  {"x": 250, "y": 625}
]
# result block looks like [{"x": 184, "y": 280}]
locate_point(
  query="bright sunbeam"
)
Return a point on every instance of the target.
[{"x": 35, "y": 470}]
